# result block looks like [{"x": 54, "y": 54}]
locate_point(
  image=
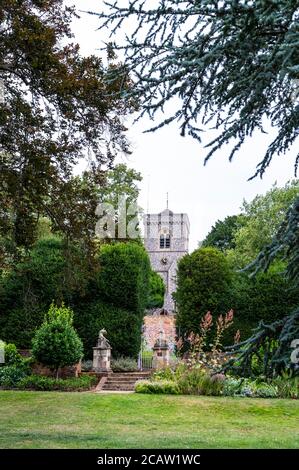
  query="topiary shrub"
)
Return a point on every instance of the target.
[
  {"x": 123, "y": 328},
  {"x": 56, "y": 344},
  {"x": 124, "y": 276},
  {"x": 53, "y": 270},
  {"x": 203, "y": 284}
]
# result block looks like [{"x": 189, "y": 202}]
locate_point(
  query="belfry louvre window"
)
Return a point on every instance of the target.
[{"x": 164, "y": 241}]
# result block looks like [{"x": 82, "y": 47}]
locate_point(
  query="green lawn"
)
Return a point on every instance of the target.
[{"x": 89, "y": 420}]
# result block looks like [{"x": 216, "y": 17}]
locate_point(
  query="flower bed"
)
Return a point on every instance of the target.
[{"x": 197, "y": 381}]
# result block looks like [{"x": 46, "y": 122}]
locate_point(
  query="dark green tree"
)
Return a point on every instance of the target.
[
  {"x": 203, "y": 284},
  {"x": 222, "y": 234},
  {"x": 124, "y": 276},
  {"x": 56, "y": 343},
  {"x": 117, "y": 298},
  {"x": 53, "y": 270},
  {"x": 231, "y": 65},
  {"x": 123, "y": 327},
  {"x": 55, "y": 108},
  {"x": 156, "y": 291},
  {"x": 268, "y": 296},
  {"x": 271, "y": 343}
]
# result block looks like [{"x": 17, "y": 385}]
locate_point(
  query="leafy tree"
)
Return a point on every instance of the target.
[
  {"x": 222, "y": 234},
  {"x": 55, "y": 107},
  {"x": 156, "y": 291},
  {"x": 262, "y": 218},
  {"x": 56, "y": 344},
  {"x": 270, "y": 345},
  {"x": 232, "y": 65},
  {"x": 203, "y": 284},
  {"x": 120, "y": 181},
  {"x": 120, "y": 189}
]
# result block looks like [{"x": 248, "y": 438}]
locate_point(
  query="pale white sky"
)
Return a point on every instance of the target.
[{"x": 173, "y": 164}]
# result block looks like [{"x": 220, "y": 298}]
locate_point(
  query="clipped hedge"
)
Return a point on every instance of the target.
[
  {"x": 49, "y": 273},
  {"x": 124, "y": 276},
  {"x": 203, "y": 284},
  {"x": 113, "y": 294},
  {"x": 123, "y": 328},
  {"x": 38, "y": 382},
  {"x": 268, "y": 297}
]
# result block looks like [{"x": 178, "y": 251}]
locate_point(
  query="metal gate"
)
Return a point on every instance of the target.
[{"x": 145, "y": 360}]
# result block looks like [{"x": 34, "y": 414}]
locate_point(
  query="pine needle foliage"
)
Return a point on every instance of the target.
[{"x": 230, "y": 65}]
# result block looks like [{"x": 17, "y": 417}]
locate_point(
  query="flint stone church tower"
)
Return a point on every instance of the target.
[{"x": 166, "y": 238}]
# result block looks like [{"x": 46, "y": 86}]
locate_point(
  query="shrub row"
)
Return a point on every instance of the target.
[
  {"x": 206, "y": 282},
  {"x": 112, "y": 294},
  {"x": 124, "y": 364},
  {"x": 162, "y": 386},
  {"x": 38, "y": 382},
  {"x": 198, "y": 382}
]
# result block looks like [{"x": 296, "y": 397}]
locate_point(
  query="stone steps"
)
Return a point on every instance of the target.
[{"x": 123, "y": 381}]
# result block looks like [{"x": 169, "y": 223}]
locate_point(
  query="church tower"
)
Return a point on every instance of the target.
[{"x": 166, "y": 238}]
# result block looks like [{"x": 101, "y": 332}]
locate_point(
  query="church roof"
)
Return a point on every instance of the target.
[{"x": 166, "y": 212}]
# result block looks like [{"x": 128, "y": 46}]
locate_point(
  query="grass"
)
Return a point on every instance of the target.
[{"x": 89, "y": 420}]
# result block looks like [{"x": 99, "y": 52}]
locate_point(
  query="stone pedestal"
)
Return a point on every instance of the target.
[
  {"x": 161, "y": 354},
  {"x": 101, "y": 359}
]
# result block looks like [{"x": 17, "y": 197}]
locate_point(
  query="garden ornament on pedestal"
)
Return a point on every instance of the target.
[
  {"x": 102, "y": 354},
  {"x": 161, "y": 352}
]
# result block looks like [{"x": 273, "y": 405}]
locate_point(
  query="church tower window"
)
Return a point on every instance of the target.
[{"x": 164, "y": 241}]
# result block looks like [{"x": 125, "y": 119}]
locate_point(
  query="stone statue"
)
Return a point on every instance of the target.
[{"x": 102, "y": 341}]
